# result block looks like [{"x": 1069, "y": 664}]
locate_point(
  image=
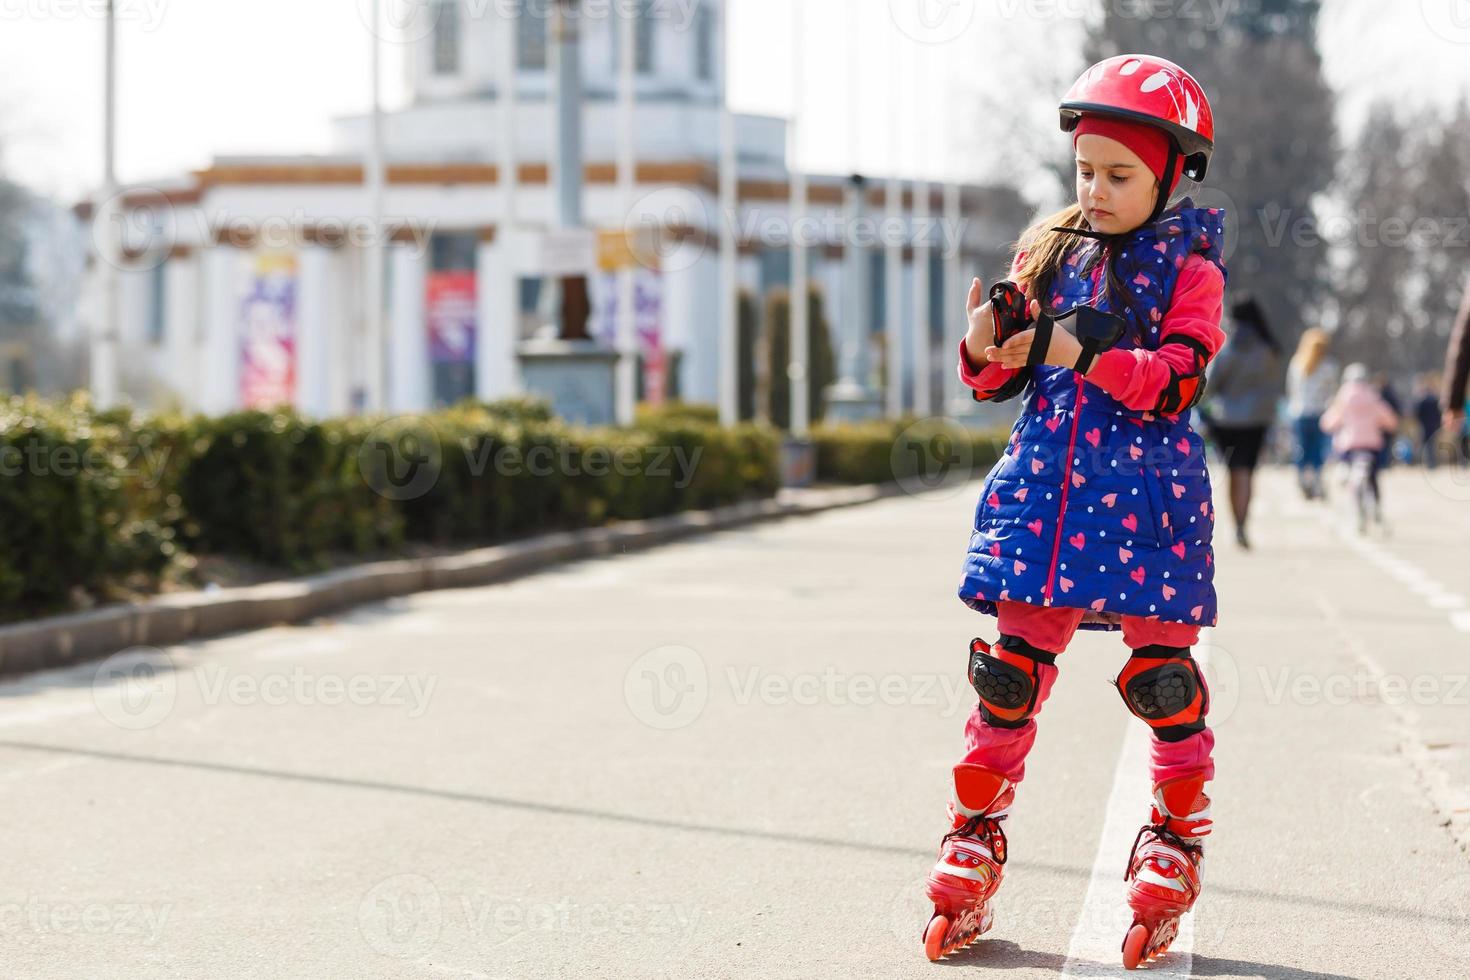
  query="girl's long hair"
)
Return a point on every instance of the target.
[{"x": 1046, "y": 250}]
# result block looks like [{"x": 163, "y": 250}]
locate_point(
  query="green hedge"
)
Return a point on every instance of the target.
[
  {"x": 96, "y": 501},
  {"x": 100, "y": 501}
]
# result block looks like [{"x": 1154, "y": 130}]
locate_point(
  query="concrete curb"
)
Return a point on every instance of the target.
[{"x": 59, "y": 641}]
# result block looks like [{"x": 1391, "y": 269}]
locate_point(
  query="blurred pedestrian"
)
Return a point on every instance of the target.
[
  {"x": 1457, "y": 369},
  {"x": 1311, "y": 380},
  {"x": 1360, "y": 422},
  {"x": 1427, "y": 414},
  {"x": 1391, "y": 399},
  {"x": 1244, "y": 387}
]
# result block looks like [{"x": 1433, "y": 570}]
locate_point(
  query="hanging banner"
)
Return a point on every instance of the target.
[
  {"x": 268, "y": 332},
  {"x": 647, "y": 323},
  {"x": 451, "y": 316}
]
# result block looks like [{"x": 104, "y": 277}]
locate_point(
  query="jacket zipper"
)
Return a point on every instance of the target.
[{"x": 1056, "y": 548}]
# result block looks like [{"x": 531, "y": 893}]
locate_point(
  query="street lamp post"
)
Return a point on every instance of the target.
[
  {"x": 102, "y": 367},
  {"x": 374, "y": 367},
  {"x": 575, "y": 304}
]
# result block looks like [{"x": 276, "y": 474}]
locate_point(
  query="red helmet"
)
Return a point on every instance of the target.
[{"x": 1147, "y": 89}]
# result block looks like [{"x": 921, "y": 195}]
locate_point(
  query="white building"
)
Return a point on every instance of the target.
[{"x": 244, "y": 283}]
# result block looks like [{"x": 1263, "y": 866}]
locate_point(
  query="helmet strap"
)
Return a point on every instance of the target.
[{"x": 1166, "y": 182}]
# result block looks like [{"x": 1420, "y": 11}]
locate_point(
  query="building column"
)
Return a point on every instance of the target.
[
  {"x": 408, "y": 334},
  {"x": 182, "y": 329},
  {"x": 497, "y": 318},
  {"x": 315, "y": 351},
  {"x": 692, "y": 329},
  {"x": 218, "y": 378}
]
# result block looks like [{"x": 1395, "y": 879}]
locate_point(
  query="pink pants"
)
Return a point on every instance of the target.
[{"x": 1051, "y": 628}]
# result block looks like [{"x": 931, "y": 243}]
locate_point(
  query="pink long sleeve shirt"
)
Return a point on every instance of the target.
[{"x": 1138, "y": 377}]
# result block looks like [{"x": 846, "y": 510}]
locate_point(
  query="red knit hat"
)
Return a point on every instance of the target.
[{"x": 1150, "y": 143}]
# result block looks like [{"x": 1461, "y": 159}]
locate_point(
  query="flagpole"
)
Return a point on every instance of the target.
[
  {"x": 103, "y": 362},
  {"x": 375, "y": 364},
  {"x": 627, "y": 339},
  {"x": 798, "y": 371},
  {"x": 729, "y": 377}
]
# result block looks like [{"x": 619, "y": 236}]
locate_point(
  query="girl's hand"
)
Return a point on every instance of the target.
[
  {"x": 982, "y": 325},
  {"x": 1063, "y": 352}
]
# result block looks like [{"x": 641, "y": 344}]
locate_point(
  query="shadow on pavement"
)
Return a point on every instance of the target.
[{"x": 1296, "y": 901}]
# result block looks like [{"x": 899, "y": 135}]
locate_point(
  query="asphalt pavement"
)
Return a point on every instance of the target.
[{"x": 729, "y": 757}]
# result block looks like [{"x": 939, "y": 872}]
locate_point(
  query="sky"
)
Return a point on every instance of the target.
[{"x": 888, "y": 84}]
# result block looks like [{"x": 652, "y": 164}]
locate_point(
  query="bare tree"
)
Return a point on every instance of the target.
[
  {"x": 1405, "y": 258},
  {"x": 1274, "y": 133}
]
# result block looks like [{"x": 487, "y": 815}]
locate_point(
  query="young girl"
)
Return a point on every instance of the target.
[
  {"x": 1360, "y": 420},
  {"x": 1098, "y": 515}
]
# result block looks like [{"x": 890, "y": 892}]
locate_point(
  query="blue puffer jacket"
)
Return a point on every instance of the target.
[{"x": 1094, "y": 505}]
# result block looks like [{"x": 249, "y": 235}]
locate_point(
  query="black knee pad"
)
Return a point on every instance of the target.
[
  {"x": 1007, "y": 678},
  {"x": 1163, "y": 686}
]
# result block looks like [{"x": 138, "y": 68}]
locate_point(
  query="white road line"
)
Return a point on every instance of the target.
[
  {"x": 1097, "y": 941},
  {"x": 1409, "y": 575}
]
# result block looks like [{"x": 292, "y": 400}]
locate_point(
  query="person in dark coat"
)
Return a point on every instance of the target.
[{"x": 1457, "y": 372}]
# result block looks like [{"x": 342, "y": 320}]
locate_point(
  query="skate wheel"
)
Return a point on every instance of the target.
[
  {"x": 1133, "y": 946},
  {"x": 934, "y": 937}
]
